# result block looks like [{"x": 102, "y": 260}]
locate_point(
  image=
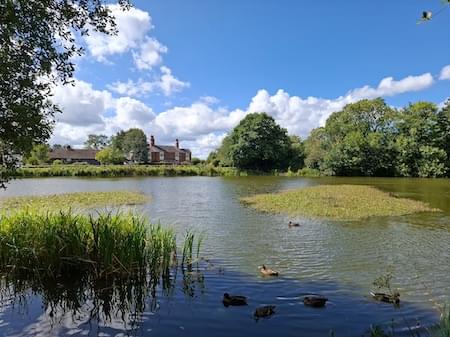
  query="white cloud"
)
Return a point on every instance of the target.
[
  {"x": 445, "y": 73},
  {"x": 149, "y": 54},
  {"x": 81, "y": 104},
  {"x": 167, "y": 84},
  {"x": 132, "y": 25},
  {"x": 390, "y": 87},
  {"x": 203, "y": 124}
]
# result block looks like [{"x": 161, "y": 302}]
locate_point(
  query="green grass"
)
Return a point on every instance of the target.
[
  {"x": 62, "y": 243},
  {"x": 342, "y": 202},
  {"x": 125, "y": 171},
  {"x": 73, "y": 200}
]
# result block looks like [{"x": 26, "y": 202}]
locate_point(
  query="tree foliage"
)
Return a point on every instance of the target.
[
  {"x": 39, "y": 155},
  {"x": 108, "y": 155},
  {"x": 132, "y": 144},
  {"x": 37, "y": 46},
  {"x": 258, "y": 143},
  {"x": 369, "y": 138},
  {"x": 96, "y": 142}
]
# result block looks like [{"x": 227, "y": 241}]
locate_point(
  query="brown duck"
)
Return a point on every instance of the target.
[
  {"x": 293, "y": 224},
  {"x": 267, "y": 271},
  {"x": 388, "y": 298},
  {"x": 233, "y": 300},
  {"x": 265, "y": 311},
  {"x": 315, "y": 301}
]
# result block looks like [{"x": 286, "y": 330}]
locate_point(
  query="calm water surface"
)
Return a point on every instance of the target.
[{"x": 337, "y": 259}]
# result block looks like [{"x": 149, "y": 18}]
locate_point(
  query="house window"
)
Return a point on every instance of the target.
[{"x": 161, "y": 156}]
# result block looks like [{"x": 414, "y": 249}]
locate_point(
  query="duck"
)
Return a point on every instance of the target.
[
  {"x": 267, "y": 271},
  {"x": 315, "y": 301},
  {"x": 293, "y": 224},
  {"x": 265, "y": 311},
  {"x": 233, "y": 300},
  {"x": 393, "y": 298}
]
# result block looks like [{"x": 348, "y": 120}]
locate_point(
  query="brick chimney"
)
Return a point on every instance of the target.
[
  {"x": 152, "y": 140},
  {"x": 177, "y": 143}
]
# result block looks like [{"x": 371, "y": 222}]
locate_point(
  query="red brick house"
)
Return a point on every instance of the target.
[{"x": 168, "y": 154}]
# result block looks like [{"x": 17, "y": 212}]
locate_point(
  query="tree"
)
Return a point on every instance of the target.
[
  {"x": 422, "y": 133},
  {"x": 132, "y": 144},
  {"x": 256, "y": 143},
  {"x": 96, "y": 142},
  {"x": 296, "y": 154},
  {"x": 37, "y": 39},
  {"x": 109, "y": 155},
  {"x": 38, "y": 155}
]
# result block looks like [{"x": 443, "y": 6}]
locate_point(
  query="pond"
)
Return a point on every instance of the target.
[{"x": 339, "y": 260}]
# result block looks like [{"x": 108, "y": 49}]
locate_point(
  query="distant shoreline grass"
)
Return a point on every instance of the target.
[
  {"x": 75, "y": 200},
  {"x": 111, "y": 171},
  {"x": 341, "y": 202}
]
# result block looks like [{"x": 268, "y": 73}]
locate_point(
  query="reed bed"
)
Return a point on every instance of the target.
[
  {"x": 126, "y": 171},
  {"x": 61, "y": 243},
  {"x": 77, "y": 200},
  {"x": 341, "y": 202}
]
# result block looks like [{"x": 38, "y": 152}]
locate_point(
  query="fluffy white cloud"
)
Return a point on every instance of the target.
[
  {"x": 203, "y": 124},
  {"x": 170, "y": 84},
  {"x": 445, "y": 73},
  {"x": 149, "y": 54},
  {"x": 81, "y": 104},
  {"x": 390, "y": 87},
  {"x": 167, "y": 84},
  {"x": 132, "y": 26}
]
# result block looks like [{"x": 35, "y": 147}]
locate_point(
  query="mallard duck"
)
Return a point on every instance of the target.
[
  {"x": 293, "y": 224},
  {"x": 264, "y": 311},
  {"x": 315, "y": 301},
  {"x": 233, "y": 300},
  {"x": 388, "y": 298},
  {"x": 267, "y": 271}
]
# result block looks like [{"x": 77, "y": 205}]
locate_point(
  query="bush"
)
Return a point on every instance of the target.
[{"x": 57, "y": 162}]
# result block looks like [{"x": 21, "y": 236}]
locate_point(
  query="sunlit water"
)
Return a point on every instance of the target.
[{"x": 337, "y": 259}]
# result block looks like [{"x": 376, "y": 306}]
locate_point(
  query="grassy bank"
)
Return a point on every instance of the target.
[
  {"x": 73, "y": 200},
  {"x": 344, "y": 202},
  {"x": 125, "y": 171},
  {"x": 63, "y": 243}
]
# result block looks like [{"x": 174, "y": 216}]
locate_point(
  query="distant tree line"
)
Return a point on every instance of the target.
[{"x": 366, "y": 138}]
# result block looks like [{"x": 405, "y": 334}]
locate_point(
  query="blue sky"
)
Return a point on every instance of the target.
[{"x": 192, "y": 68}]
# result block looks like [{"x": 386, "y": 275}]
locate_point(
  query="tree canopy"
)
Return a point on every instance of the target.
[
  {"x": 258, "y": 143},
  {"x": 37, "y": 46},
  {"x": 369, "y": 138},
  {"x": 132, "y": 144},
  {"x": 96, "y": 142}
]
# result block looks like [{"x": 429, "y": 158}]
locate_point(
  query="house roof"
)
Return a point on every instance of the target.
[
  {"x": 65, "y": 153},
  {"x": 167, "y": 148}
]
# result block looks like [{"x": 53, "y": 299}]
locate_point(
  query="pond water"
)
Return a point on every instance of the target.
[{"x": 339, "y": 260}]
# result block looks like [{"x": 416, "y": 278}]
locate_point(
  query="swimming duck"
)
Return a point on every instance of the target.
[
  {"x": 233, "y": 300},
  {"x": 264, "y": 311},
  {"x": 388, "y": 298},
  {"x": 315, "y": 301},
  {"x": 293, "y": 224},
  {"x": 267, "y": 271}
]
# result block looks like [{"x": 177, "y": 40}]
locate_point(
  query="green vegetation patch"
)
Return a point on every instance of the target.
[
  {"x": 342, "y": 202},
  {"x": 73, "y": 200},
  {"x": 63, "y": 243}
]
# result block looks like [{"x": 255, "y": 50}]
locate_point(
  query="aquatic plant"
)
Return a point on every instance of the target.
[
  {"x": 73, "y": 200},
  {"x": 342, "y": 202},
  {"x": 58, "y": 243}
]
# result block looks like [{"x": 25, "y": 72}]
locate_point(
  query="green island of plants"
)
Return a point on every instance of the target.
[
  {"x": 73, "y": 200},
  {"x": 341, "y": 202}
]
